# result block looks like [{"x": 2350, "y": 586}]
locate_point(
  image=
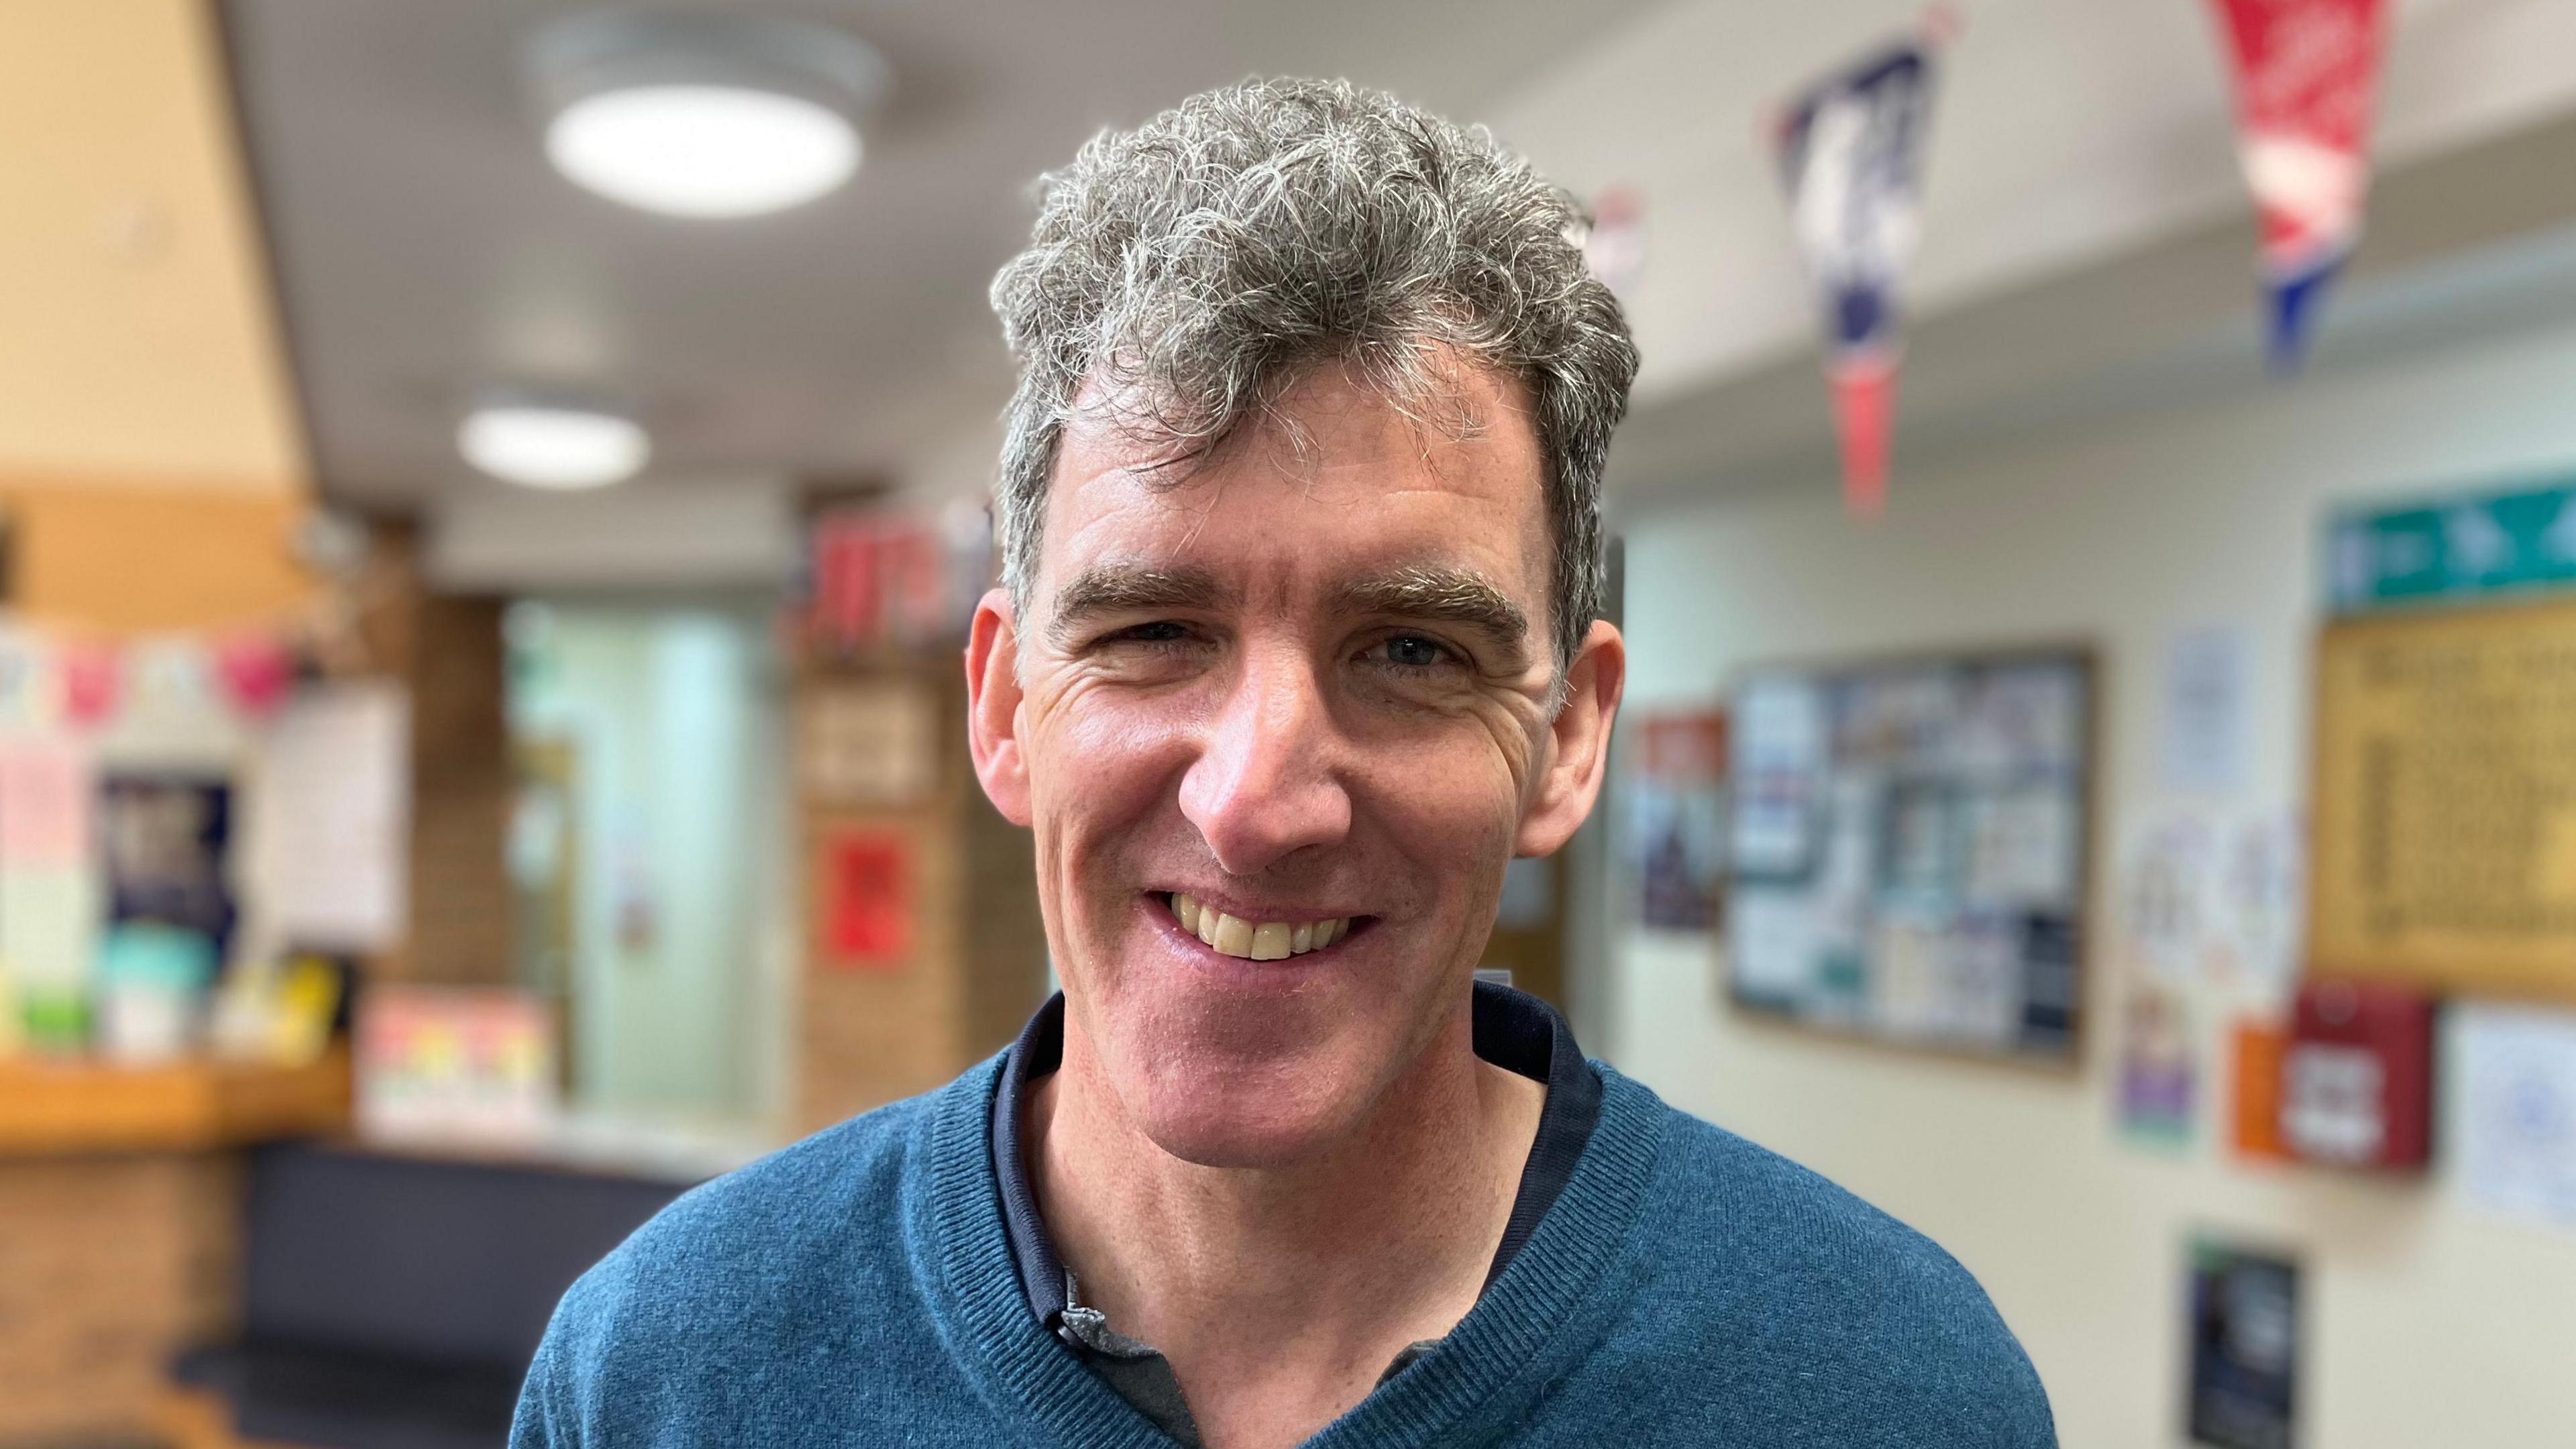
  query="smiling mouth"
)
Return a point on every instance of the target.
[{"x": 1255, "y": 940}]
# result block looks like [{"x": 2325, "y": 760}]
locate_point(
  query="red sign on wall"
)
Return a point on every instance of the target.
[
  {"x": 866, "y": 900},
  {"x": 2357, "y": 1075}
]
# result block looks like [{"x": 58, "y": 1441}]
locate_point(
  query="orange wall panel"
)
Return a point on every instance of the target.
[{"x": 124, "y": 559}]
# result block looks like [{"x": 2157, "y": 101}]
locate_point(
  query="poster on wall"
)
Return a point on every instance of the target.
[
  {"x": 2207, "y": 707},
  {"x": 866, "y": 899},
  {"x": 1676, "y": 819},
  {"x": 2254, "y": 1051},
  {"x": 2445, "y": 790},
  {"x": 1908, "y": 845},
  {"x": 166, "y": 841},
  {"x": 48, "y": 889},
  {"x": 871, "y": 742},
  {"x": 2210, "y": 898},
  {"x": 2159, "y": 1090},
  {"x": 335, "y": 767},
  {"x": 467, "y": 1065},
  {"x": 2244, "y": 1338},
  {"x": 45, "y": 802},
  {"x": 2513, "y": 1109}
]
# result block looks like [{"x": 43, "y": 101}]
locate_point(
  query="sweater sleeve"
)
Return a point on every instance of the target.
[
  {"x": 2021, "y": 1417},
  {"x": 545, "y": 1417},
  {"x": 560, "y": 1401}
]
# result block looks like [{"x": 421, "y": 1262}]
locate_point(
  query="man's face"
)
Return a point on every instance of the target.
[{"x": 1307, "y": 682}]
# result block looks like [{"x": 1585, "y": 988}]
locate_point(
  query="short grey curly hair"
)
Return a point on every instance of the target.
[{"x": 1196, "y": 266}]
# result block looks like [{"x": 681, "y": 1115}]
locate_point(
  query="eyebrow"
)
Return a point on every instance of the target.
[
  {"x": 1442, "y": 595},
  {"x": 1116, "y": 588},
  {"x": 1423, "y": 593}
]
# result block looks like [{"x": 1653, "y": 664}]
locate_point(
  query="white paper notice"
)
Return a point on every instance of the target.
[
  {"x": 2206, "y": 684},
  {"x": 1771, "y": 944},
  {"x": 45, "y": 794},
  {"x": 48, "y": 925},
  {"x": 2514, "y": 1108},
  {"x": 1780, "y": 747},
  {"x": 336, "y": 770}
]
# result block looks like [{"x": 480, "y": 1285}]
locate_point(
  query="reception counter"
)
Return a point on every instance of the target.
[{"x": 121, "y": 1225}]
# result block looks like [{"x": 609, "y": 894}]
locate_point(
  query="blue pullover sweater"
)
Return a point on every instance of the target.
[{"x": 1685, "y": 1288}]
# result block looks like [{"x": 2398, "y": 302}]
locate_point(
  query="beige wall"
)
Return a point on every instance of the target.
[
  {"x": 2065, "y": 135},
  {"x": 152, "y": 471},
  {"x": 139, "y": 347},
  {"x": 2428, "y": 1321}
]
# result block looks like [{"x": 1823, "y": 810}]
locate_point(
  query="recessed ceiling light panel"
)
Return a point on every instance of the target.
[
  {"x": 702, "y": 115},
  {"x": 544, "y": 446}
]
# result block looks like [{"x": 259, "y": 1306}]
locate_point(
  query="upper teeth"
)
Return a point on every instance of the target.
[{"x": 1258, "y": 940}]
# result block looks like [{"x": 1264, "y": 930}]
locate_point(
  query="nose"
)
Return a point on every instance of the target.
[{"x": 1264, "y": 784}]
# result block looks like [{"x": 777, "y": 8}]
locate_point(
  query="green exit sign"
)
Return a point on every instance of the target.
[{"x": 2477, "y": 544}]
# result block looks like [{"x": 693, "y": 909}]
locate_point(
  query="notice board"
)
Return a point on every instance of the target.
[
  {"x": 1908, "y": 843},
  {"x": 2445, "y": 800}
]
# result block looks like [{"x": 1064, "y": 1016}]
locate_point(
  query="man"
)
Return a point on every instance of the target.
[{"x": 1296, "y": 649}]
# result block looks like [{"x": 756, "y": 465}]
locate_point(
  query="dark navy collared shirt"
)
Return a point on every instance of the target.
[{"x": 1513, "y": 1030}]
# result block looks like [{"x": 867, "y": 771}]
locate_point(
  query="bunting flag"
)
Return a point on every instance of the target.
[
  {"x": 85, "y": 681},
  {"x": 258, "y": 673},
  {"x": 2306, "y": 74},
  {"x": 1614, "y": 246},
  {"x": 1851, "y": 158},
  {"x": 93, "y": 682}
]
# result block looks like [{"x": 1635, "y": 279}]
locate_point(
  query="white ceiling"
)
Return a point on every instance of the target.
[
  {"x": 425, "y": 250},
  {"x": 2088, "y": 249}
]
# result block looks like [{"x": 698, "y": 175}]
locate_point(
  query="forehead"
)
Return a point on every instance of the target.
[{"x": 1333, "y": 480}]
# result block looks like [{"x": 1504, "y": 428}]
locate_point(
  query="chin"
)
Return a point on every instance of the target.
[
  {"x": 1233, "y": 1115},
  {"x": 1227, "y": 1062}
]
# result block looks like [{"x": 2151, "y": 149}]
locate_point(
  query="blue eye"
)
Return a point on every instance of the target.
[{"x": 1413, "y": 651}]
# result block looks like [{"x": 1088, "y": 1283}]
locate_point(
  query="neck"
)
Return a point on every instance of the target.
[{"x": 1279, "y": 1294}]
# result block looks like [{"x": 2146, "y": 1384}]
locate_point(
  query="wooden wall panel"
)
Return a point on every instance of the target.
[
  {"x": 108, "y": 1266},
  {"x": 877, "y": 1034},
  {"x": 872, "y": 1032},
  {"x": 448, "y": 651},
  {"x": 140, "y": 556}
]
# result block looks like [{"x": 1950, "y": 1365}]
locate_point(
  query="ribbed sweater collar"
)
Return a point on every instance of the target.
[{"x": 1545, "y": 1310}]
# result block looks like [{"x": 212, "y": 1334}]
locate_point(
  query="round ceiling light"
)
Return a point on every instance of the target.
[
  {"x": 703, "y": 150},
  {"x": 702, "y": 115},
  {"x": 552, "y": 447}
]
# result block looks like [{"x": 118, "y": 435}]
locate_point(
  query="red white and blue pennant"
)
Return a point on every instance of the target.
[
  {"x": 2307, "y": 72},
  {"x": 1851, "y": 158}
]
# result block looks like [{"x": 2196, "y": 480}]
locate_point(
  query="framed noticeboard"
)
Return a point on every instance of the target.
[
  {"x": 1909, "y": 842},
  {"x": 2445, "y": 800}
]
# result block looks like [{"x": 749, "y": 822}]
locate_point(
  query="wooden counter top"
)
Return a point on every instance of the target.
[{"x": 69, "y": 1108}]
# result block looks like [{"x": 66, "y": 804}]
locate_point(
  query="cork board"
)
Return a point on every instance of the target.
[
  {"x": 1908, "y": 848},
  {"x": 2445, "y": 801}
]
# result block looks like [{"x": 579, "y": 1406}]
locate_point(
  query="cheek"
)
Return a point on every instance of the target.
[
  {"x": 1447, "y": 799},
  {"x": 1465, "y": 757},
  {"x": 1099, "y": 764}
]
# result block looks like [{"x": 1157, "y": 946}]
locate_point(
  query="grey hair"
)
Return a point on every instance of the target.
[{"x": 1192, "y": 268}]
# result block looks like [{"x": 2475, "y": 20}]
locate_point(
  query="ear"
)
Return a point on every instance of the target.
[
  {"x": 993, "y": 706},
  {"x": 1579, "y": 742}
]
